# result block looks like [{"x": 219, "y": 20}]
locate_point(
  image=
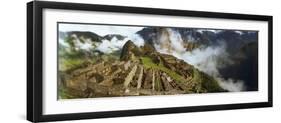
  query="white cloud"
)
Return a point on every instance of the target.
[
  {"x": 231, "y": 85},
  {"x": 109, "y": 46},
  {"x": 114, "y": 44},
  {"x": 211, "y": 30},
  {"x": 239, "y": 32}
]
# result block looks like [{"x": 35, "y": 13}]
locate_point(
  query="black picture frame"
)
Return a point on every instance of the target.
[{"x": 35, "y": 69}]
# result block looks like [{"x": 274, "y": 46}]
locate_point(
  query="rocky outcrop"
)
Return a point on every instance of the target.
[{"x": 130, "y": 51}]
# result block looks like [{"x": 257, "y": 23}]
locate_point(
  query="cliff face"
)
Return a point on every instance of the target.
[{"x": 140, "y": 71}]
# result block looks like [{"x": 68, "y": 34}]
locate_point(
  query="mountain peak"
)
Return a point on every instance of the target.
[{"x": 130, "y": 51}]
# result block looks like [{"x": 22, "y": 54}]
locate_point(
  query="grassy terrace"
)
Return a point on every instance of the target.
[{"x": 148, "y": 63}]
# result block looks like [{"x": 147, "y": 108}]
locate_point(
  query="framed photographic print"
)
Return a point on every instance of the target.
[{"x": 95, "y": 61}]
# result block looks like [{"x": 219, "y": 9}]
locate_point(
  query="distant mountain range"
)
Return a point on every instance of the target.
[
  {"x": 234, "y": 39},
  {"x": 190, "y": 36}
]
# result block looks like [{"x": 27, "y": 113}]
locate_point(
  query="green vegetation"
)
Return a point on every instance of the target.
[
  {"x": 70, "y": 41},
  {"x": 75, "y": 58},
  {"x": 64, "y": 94},
  {"x": 66, "y": 64},
  {"x": 148, "y": 63},
  {"x": 207, "y": 83}
]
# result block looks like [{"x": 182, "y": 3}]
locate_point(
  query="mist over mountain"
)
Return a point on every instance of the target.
[
  {"x": 232, "y": 38},
  {"x": 229, "y": 56}
]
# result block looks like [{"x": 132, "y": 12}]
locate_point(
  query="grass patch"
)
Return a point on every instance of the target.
[{"x": 66, "y": 64}]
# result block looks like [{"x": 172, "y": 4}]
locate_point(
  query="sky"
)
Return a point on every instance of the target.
[{"x": 101, "y": 30}]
